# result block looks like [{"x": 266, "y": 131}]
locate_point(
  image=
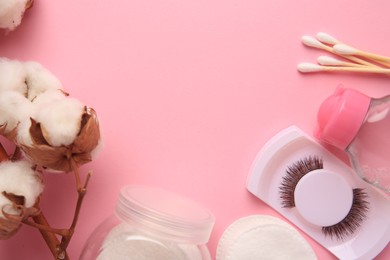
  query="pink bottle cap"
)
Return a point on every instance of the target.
[{"x": 340, "y": 117}]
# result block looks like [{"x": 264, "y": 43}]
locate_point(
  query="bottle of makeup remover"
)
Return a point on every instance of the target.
[{"x": 360, "y": 125}]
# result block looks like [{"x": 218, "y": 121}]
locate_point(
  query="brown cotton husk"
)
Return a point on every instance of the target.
[
  {"x": 29, "y": 4},
  {"x": 63, "y": 158},
  {"x": 10, "y": 134},
  {"x": 3, "y": 154},
  {"x": 9, "y": 226},
  {"x": 11, "y": 223}
]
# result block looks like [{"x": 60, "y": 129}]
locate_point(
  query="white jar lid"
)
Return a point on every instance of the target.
[{"x": 165, "y": 214}]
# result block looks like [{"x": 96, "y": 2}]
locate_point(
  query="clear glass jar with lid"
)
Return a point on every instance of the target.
[
  {"x": 359, "y": 125},
  {"x": 154, "y": 224}
]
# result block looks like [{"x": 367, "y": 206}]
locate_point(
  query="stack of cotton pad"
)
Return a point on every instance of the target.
[
  {"x": 262, "y": 237},
  {"x": 122, "y": 242}
]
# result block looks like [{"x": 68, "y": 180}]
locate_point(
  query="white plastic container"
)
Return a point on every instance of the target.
[{"x": 152, "y": 224}]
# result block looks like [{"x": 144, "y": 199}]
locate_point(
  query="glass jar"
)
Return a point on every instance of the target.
[
  {"x": 153, "y": 224},
  {"x": 359, "y": 125}
]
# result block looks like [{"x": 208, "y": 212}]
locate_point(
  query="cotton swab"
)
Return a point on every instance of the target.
[
  {"x": 313, "y": 42},
  {"x": 311, "y": 67},
  {"x": 330, "y": 61},
  {"x": 354, "y": 60},
  {"x": 327, "y": 38},
  {"x": 344, "y": 49}
]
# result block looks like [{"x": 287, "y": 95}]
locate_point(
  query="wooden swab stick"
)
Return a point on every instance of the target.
[
  {"x": 330, "y": 61},
  {"x": 311, "y": 67},
  {"x": 344, "y": 49},
  {"x": 313, "y": 42}
]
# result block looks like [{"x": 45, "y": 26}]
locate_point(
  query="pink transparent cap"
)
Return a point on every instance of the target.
[{"x": 340, "y": 117}]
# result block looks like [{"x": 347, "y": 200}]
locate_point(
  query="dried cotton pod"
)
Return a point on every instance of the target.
[
  {"x": 20, "y": 188},
  {"x": 9, "y": 226},
  {"x": 64, "y": 157},
  {"x": 54, "y": 130},
  {"x": 60, "y": 121}
]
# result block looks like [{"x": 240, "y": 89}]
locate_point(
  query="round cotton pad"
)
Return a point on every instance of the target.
[
  {"x": 124, "y": 243},
  {"x": 259, "y": 237}
]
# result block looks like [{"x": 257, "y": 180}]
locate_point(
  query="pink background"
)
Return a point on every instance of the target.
[{"x": 187, "y": 92}]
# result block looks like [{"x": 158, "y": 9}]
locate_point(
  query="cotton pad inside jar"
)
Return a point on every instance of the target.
[
  {"x": 152, "y": 224},
  {"x": 260, "y": 237}
]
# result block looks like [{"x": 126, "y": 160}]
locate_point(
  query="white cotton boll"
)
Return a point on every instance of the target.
[
  {"x": 18, "y": 178},
  {"x": 39, "y": 80},
  {"x": 12, "y": 76},
  {"x": 5, "y": 5},
  {"x": 48, "y": 97},
  {"x": 11, "y": 13},
  {"x": 60, "y": 120},
  {"x": 28, "y": 78},
  {"x": 14, "y": 108},
  {"x": 23, "y": 136}
]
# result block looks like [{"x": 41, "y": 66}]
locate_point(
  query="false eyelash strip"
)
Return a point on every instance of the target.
[
  {"x": 311, "y": 213},
  {"x": 293, "y": 174},
  {"x": 353, "y": 220},
  {"x": 345, "y": 227}
]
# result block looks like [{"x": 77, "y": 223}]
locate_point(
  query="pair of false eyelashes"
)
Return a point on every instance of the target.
[{"x": 345, "y": 227}]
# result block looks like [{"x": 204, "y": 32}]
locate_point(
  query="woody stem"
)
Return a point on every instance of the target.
[
  {"x": 81, "y": 190},
  {"x": 50, "y": 238}
]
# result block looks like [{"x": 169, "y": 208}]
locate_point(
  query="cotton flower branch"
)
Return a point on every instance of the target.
[{"x": 52, "y": 132}]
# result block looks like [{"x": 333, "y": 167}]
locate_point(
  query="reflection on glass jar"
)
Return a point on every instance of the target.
[{"x": 152, "y": 224}]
